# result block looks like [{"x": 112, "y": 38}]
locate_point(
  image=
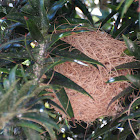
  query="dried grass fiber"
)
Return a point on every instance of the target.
[{"x": 102, "y": 47}]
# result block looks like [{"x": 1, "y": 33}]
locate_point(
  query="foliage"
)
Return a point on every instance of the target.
[{"x": 30, "y": 48}]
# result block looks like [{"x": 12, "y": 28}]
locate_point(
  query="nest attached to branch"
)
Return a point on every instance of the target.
[{"x": 102, "y": 47}]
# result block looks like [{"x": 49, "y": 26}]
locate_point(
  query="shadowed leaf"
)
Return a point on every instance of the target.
[
  {"x": 117, "y": 79},
  {"x": 132, "y": 47},
  {"x": 129, "y": 65},
  {"x": 126, "y": 91},
  {"x": 131, "y": 116},
  {"x": 63, "y": 81},
  {"x": 34, "y": 30},
  {"x": 84, "y": 9},
  {"x": 65, "y": 102},
  {"x": 55, "y": 7},
  {"x": 135, "y": 79}
]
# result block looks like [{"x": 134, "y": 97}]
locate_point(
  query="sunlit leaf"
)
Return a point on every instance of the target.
[{"x": 65, "y": 102}]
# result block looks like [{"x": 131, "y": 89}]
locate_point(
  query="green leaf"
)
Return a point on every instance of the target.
[
  {"x": 70, "y": 20},
  {"x": 6, "y": 84},
  {"x": 20, "y": 18},
  {"x": 74, "y": 55},
  {"x": 35, "y": 5},
  {"x": 66, "y": 27},
  {"x": 131, "y": 116},
  {"x": 107, "y": 18},
  {"x": 12, "y": 75},
  {"x": 127, "y": 52},
  {"x": 44, "y": 121},
  {"x": 129, "y": 65},
  {"x": 126, "y": 6},
  {"x": 135, "y": 79},
  {"x": 125, "y": 92},
  {"x": 25, "y": 89},
  {"x": 61, "y": 80},
  {"x": 30, "y": 125},
  {"x": 56, "y": 61},
  {"x": 132, "y": 47},
  {"x": 9, "y": 98},
  {"x": 34, "y": 30},
  {"x": 40, "y": 119},
  {"x": 43, "y": 16},
  {"x": 55, "y": 104},
  {"x": 104, "y": 130},
  {"x": 17, "y": 17},
  {"x": 84, "y": 9},
  {"x": 31, "y": 134},
  {"x": 136, "y": 103},
  {"x": 28, "y": 9},
  {"x": 56, "y": 37},
  {"x": 65, "y": 102},
  {"x": 7, "y": 71},
  {"x": 7, "y": 44},
  {"x": 117, "y": 79},
  {"x": 55, "y": 7}
]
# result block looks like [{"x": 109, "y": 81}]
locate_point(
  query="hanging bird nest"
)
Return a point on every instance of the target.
[{"x": 102, "y": 47}]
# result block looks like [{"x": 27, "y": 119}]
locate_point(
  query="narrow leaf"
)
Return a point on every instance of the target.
[
  {"x": 34, "y": 30},
  {"x": 132, "y": 47},
  {"x": 55, "y": 7},
  {"x": 61, "y": 80},
  {"x": 56, "y": 37},
  {"x": 31, "y": 134},
  {"x": 42, "y": 120},
  {"x": 135, "y": 79},
  {"x": 129, "y": 65},
  {"x": 12, "y": 75},
  {"x": 75, "y": 55},
  {"x": 30, "y": 125},
  {"x": 117, "y": 79},
  {"x": 131, "y": 116},
  {"x": 125, "y": 92},
  {"x": 84, "y": 9},
  {"x": 65, "y": 102},
  {"x": 126, "y": 6}
]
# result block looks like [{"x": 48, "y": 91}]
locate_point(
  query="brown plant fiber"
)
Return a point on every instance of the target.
[{"x": 99, "y": 46}]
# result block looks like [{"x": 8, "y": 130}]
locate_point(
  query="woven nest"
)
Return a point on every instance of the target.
[{"x": 99, "y": 46}]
